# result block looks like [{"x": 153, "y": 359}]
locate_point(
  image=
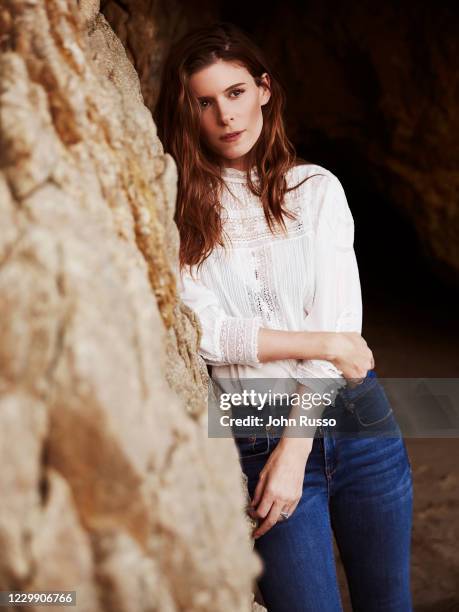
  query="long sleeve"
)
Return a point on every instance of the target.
[
  {"x": 225, "y": 339},
  {"x": 337, "y": 303}
]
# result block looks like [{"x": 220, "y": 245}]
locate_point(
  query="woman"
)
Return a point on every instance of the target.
[{"x": 267, "y": 263}]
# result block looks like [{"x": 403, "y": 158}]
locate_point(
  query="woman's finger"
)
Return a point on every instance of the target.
[
  {"x": 271, "y": 519},
  {"x": 261, "y": 484},
  {"x": 258, "y": 490},
  {"x": 290, "y": 509},
  {"x": 353, "y": 382},
  {"x": 265, "y": 504}
]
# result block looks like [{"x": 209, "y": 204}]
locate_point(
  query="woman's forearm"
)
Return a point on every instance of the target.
[
  {"x": 348, "y": 351},
  {"x": 274, "y": 344}
]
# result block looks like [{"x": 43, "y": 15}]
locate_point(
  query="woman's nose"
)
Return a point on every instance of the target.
[{"x": 223, "y": 114}]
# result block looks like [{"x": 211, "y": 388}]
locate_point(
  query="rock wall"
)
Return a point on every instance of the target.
[{"x": 109, "y": 484}]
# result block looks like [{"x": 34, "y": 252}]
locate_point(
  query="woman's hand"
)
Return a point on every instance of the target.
[
  {"x": 349, "y": 352},
  {"x": 280, "y": 482}
]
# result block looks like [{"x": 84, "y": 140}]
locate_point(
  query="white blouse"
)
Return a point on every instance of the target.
[{"x": 306, "y": 280}]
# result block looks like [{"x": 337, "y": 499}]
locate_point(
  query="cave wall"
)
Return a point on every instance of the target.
[
  {"x": 109, "y": 483},
  {"x": 374, "y": 90}
]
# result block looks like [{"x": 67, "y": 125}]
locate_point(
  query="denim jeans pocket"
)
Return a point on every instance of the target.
[
  {"x": 353, "y": 393},
  {"x": 372, "y": 407},
  {"x": 255, "y": 446}
]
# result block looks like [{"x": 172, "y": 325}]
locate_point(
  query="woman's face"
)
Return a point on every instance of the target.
[{"x": 230, "y": 101}]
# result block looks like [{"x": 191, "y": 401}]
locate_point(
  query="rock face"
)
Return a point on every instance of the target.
[{"x": 109, "y": 484}]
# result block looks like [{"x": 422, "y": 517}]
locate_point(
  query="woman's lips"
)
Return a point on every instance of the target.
[{"x": 232, "y": 137}]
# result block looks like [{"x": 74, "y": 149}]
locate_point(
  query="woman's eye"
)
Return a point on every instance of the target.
[{"x": 205, "y": 103}]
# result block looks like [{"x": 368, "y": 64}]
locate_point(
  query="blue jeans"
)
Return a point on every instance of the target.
[{"x": 358, "y": 489}]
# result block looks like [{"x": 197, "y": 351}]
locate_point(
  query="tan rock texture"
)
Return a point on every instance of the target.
[{"x": 109, "y": 483}]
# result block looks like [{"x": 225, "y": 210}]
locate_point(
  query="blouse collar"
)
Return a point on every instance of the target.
[{"x": 233, "y": 175}]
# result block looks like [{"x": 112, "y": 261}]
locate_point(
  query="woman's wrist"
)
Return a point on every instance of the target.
[
  {"x": 276, "y": 344},
  {"x": 319, "y": 345},
  {"x": 299, "y": 446},
  {"x": 330, "y": 346}
]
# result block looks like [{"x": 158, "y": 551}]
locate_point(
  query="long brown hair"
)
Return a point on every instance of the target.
[{"x": 177, "y": 117}]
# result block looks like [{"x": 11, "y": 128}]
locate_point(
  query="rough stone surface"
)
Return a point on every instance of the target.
[{"x": 109, "y": 484}]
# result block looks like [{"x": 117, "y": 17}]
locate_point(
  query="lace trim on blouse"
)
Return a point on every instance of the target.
[
  {"x": 245, "y": 223},
  {"x": 239, "y": 340}
]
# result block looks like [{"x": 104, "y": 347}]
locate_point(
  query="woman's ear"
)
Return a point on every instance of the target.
[{"x": 265, "y": 92}]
